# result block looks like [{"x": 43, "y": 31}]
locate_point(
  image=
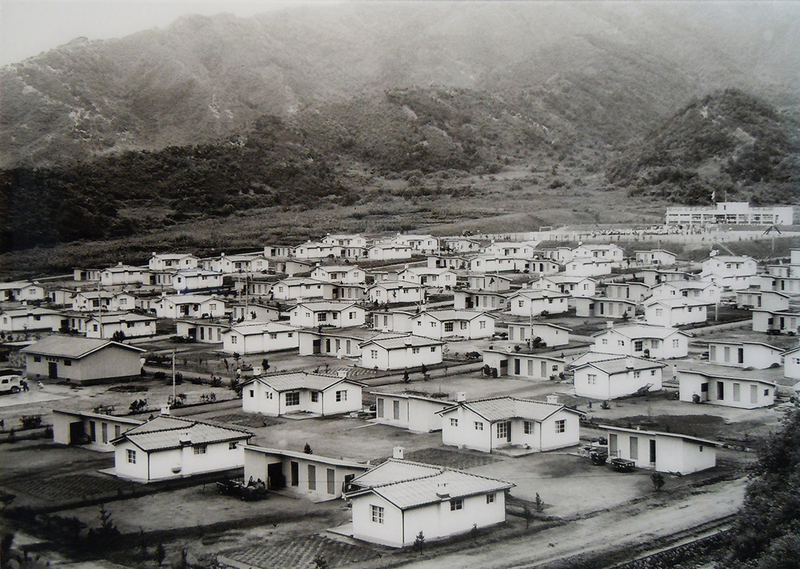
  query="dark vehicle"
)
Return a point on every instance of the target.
[
  {"x": 623, "y": 465},
  {"x": 252, "y": 491}
]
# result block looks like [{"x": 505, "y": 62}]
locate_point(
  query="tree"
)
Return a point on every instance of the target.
[
  {"x": 419, "y": 542},
  {"x": 766, "y": 533},
  {"x": 307, "y": 449},
  {"x": 118, "y": 336}
]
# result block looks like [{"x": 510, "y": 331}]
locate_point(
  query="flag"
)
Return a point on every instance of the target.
[{"x": 713, "y": 195}]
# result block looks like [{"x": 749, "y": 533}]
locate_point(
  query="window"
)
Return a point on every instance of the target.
[
  {"x": 561, "y": 426},
  {"x": 396, "y": 410},
  {"x": 620, "y": 342},
  {"x": 456, "y": 505},
  {"x": 315, "y": 396},
  {"x": 521, "y": 303},
  {"x": 200, "y": 449},
  {"x": 528, "y": 427},
  {"x": 267, "y": 395},
  {"x": 233, "y": 445},
  {"x": 433, "y": 324},
  {"x": 377, "y": 514},
  {"x": 637, "y": 345},
  {"x": 341, "y": 396},
  {"x": 478, "y": 425},
  {"x": 652, "y": 372},
  {"x": 454, "y": 422},
  {"x": 131, "y": 456},
  {"x": 373, "y": 354},
  {"x": 252, "y": 393},
  {"x": 273, "y": 336},
  {"x": 234, "y": 340},
  {"x": 482, "y": 325},
  {"x": 637, "y": 374},
  {"x": 312, "y": 477},
  {"x": 659, "y": 312},
  {"x": 591, "y": 379},
  {"x": 448, "y": 326},
  {"x": 433, "y": 349},
  {"x": 117, "y": 431},
  {"x": 414, "y": 350},
  {"x": 67, "y": 362},
  {"x": 676, "y": 343},
  {"x": 502, "y": 430},
  {"x": 322, "y": 317},
  {"x": 605, "y": 341},
  {"x": 39, "y": 359},
  {"x": 489, "y": 498},
  {"x": 293, "y": 398}
]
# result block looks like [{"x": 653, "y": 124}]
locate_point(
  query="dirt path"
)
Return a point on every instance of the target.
[{"x": 632, "y": 524}]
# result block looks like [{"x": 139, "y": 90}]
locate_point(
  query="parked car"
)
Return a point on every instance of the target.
[{"x": 11, "y": 383}]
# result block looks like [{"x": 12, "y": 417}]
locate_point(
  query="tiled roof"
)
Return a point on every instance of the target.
[
  {"x": 389, "y": 285},
  {"x": 328, "y": 306},
  {"x": 642, "y": 331},
  {"x": 623, "y": 364},
  {"x": 391, "y": 341},
  {"x": 300, "y": 380},
  {"x": 261, "y": 328},
  {"x": 676, "y": 302},
  {"x": 503, "y": 408},
  {"x": 445, "y": 315},
  {"x": 116, "y": 317},
  {"x": 427, "y": 484},
  {"x": 165, "y": 432},
  {"x": 660, "y": 434},
  {"x": 72, "y": 346}
]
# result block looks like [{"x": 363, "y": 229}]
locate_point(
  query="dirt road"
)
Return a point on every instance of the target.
[{"x": 630, "y": 524}]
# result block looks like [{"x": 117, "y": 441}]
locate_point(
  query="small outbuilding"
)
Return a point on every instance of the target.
[
  {"x": 301, "y": 392},
  {"x": 662, "y": 452}
]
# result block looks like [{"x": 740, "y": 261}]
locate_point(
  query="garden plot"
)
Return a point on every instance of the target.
[{"x": 300, "y": 552}]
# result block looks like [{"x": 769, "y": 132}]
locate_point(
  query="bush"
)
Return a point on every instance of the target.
[{"x": 31, "y": 421}]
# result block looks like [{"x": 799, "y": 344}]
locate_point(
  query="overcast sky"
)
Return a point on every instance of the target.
[{"x": 29, "y": 27}]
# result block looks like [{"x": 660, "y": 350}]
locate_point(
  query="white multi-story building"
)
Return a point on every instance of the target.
[{"x": 733, "y": 213}]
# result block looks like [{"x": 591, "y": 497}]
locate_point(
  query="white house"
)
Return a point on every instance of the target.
[
  {"x": 479, "y": 300},
  {"x": 669, "y": 312},
  {"x": 734, "y": 272},
  {"x": 395, "y": 501},
  {"x": 550, "y": 335},
  {"x": 247, "y": 263},
  {"x": 653, "y": 277},
  {"x": 536, "y": 302},
  {"x": 515, "y": 249},
  {"x": 791, "y": 363},
  {"x": 321, "y": 313},
  {"x": 444, "y": 279},
  {"x": 524, "y": 364},
  {"x": 421, "y": 243},
  {"x": 259, "y": 337},
  {"x": 188, "y": 306},
  {"x": 588, "y": 267},
  {"x": 756, "y": 355},
  {"x": 440, "y": 324},
  {"x": 205, "y": 331},
  {"x": 338, "y": 342},
  {"x": 642, "y": 341},
  {"x": 89, "y": 300},
  {"x": 574, "y": 286},
  {"x": 460, "y": 244},
  {"x": 762, "y": 299},
  {"x": 617, "y": 377},
  {"x": 390, "y": 292},
  {"x": 172, "y": 261},
  {"x": 602, "y": 307},
  {"x": 634, "y": 291},
  {"x": 776, "y": 321},
  {"x": 196, "y": 279},
  {"x": 317, "y": 478},
  {"x": 390, "y": 351},
  {"x": 488, "y": 282},
  {"x": 21, "y": 291},
  {"x": 128, "y": 323},
  {"x": 174, "y": 447},
  {"x": 345, "y": 274},
  {"x": 412, "y": 410},
  {"x": 93, "y": 431},
  {"x": 662, "y": 452},
  {"x": 297, "y": 288},
  {"x": 125, "y": 275},
  {"x": 82, "y": 360},
  {"x": 693, "y": 290},
  {"x": 300, "y": 392},
  {"x": 601, "y": 252},
  {"x": 31, "y": 319},
  {"x": 500, "y": 422},
  {"x": 449, "y": 261},
  {"x": 486, "y": 263},
  {"x": 655, "y": 258},
  {"x": 393, "y": 320},
  {"x": 253, "y": 312},
  {"x": 388, "y": 251},
  {"x": 710, "y": 386},
  {"x": 317, "y": 250}
]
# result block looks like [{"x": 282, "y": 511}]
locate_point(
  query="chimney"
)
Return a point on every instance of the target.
[
  {"x": 552, "y": 399},
  {"x": 442, "y": 491},
  {"x": 397, "y": 453},
  {"x": 610, "y": 324},
  {"x": 629, "y": 363},
  {"x": 461, "y": 396},
  {"x": 342, "y": 373}
]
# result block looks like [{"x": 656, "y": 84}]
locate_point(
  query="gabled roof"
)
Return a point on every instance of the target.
[
  {"x": 307, "y": 457},
  {"x": 535, "y": 294},
  {"x": 167, "y": 432},
  {"x": 713, "y": 375},
  {"x": 528, "y": 355},
  {"x": 634, "y": 331},
  {"x": 117, "y": 317},
  {"x": 392, "y": 341},
  {"x": 258, "y": 328},
  {"x": 504, "y": 408},
  {"x": 547, "y": 325},
  {"x": 337, "y": 268},
  {"x": 745, "y": 343},
  {"x": 329, "y": 306},
  {"x": 415, "y": 395},
  {"x": 412, "y": 485},
  {"x": 661, "y": 434},
  {"x": 445, "y": 315},
  {"x": 73, "y": 347},
  {"x": 189, "y": 299},
  {"x": 676, "y": 302},
  {"x": 622, "y": 364},
  {"x": 389, "y": 285},
  {"x": 30, "y": 310},
  {"x": 299, "y": 380}
]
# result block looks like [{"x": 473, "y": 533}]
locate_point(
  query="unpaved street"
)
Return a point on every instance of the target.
[{"x": 627, "y": 525}]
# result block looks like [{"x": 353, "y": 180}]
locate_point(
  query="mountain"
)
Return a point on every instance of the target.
[
  {"x": 606, "y": 69},
  {"x": 728, "y": 142}
]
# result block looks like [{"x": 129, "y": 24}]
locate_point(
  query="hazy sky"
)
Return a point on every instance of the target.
[{"x": 29, "y": 27}]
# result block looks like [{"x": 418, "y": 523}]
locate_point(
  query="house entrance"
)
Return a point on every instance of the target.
[
  {"x": 316, "y": 347},
  {"x": 52, "y": 370},
  {"x": 720, "y": 390},
  {"x": 77, "y": 435},
  {"x": 294, "y": 473},
  {"x": 652, "y": 451},
  {"x": 275, "y": 478},
  {"x": 612, "y": 445}
]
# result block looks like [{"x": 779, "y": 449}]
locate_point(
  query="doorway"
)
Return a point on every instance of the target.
[
  {"x": 275, "y": 478},
  {"x": 52, "y": 370}
]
